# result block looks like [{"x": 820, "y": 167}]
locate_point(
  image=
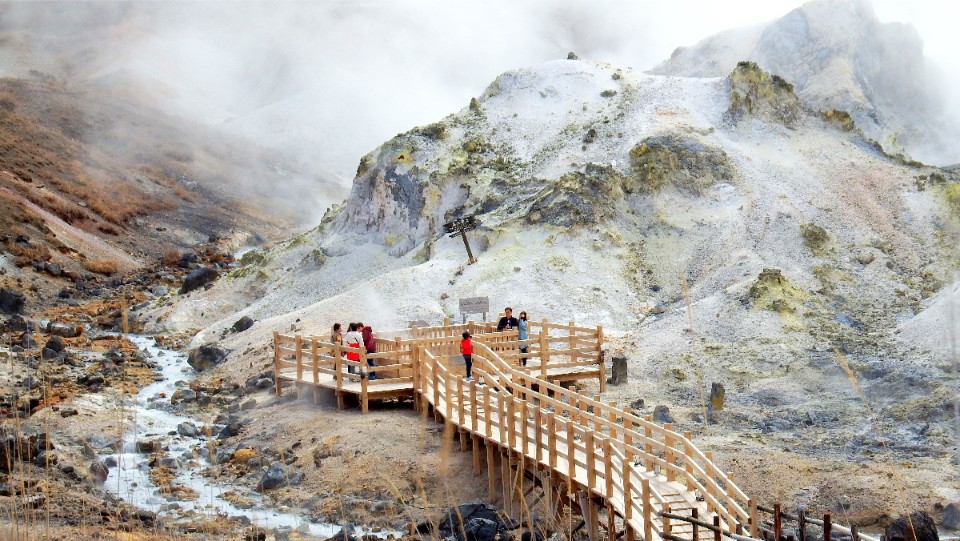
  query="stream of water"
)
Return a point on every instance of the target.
[{"x": 130, "y": 478}]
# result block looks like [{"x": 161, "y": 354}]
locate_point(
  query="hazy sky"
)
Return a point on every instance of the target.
[{"x": 330, "y": 80}]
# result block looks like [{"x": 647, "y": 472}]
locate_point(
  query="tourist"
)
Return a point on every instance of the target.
[
  {"x": 523, "y": 334},
  {"x": 466, "y": 349},
  {"x": 336, "y": 336},
  {"x": 507, "y": 322},
  {"x": 369, "y": 342},
  {"x": 353, "y": 339}
]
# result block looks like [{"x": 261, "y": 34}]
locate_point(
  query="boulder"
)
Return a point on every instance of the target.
[
  {"x": 951, "y": 516},
  {"x": 243, "y": 324},
  {"x": 27, "y": 341},
  {"x": 205, "y": 357},
  {"x": 159, "y": 290},
  {"x": 99, "y": 471},
  {"x": 55, "y": 343},
  {"x": 198, "y": 278},
  {"x": 64, "y": 330},
  {"x": 920, "y": 527},
  {"x": 717, "y": 394},
  {"x": 16, "y": 323},
  {"x": 618, "y": 371},
  {"x": 276, "y": 477},
  {"x": 148, "y": 446},
  {"x": 188, "y": 430},
  {"x": 661, "y": 414},
  {"x": 11, "y": 302}
]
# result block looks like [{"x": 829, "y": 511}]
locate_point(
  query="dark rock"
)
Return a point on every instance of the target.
[
  {"x": 48, "y": 354},
  {"x": 346, "y": 533},
  {"x": 248, "y": 405},
  {"x": 276, "y": 477},
  {"x": 110, "y": 462},
  {"x": 188, "y": 430},
  {"x": 27, "y": 341},
  {"x": 264, "y": 383},
  {"x": 54, "y": 269},
  {"x": 230, "y": 430},
  {"x": 618, "y": 371},
  {"x": 16, "y": 323},
  {"x": 55, "y": 343},
  {"x": 198, "y": 278},
  {"x": 205, "y": 357},
  {"x": 951, "y": 516},
  {"x": 920, "y": 527},
  {"x": 69, "y": 412},
  {"x": 243, "y": 324},
  {"x": 661, "y": 414},
  {"x": 183, "y": 395},
  {"x": 637, "y": 404},
  {"x": 99, "y": 471},
  {"x": 11, "y": 302},
  {"x": 717, "y": 394},
  {"x": 148, "y": 446},
  {"x": 64, "y": 329}
]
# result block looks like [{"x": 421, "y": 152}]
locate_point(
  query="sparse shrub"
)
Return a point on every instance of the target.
[
  {"x": 171, "y": 255},
  {"x": 608, "y": 93},
  {"x": 101, "y": 265},
  {"x": 815, "y": 238},
  {"x": 437, "y": 131},
  {"x": 475, "y": 105},
  {"x": 840, "y": 119},
  {"x": 952, "y": 195},
  {"x": 676, "y": 160}
]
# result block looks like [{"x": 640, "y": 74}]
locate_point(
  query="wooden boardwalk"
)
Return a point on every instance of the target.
[{"x": 626, "y": 476}]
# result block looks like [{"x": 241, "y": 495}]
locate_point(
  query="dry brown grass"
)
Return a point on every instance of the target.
[
  {"x": 103, "y": 266},
  {"x": 171, "y": 255}
]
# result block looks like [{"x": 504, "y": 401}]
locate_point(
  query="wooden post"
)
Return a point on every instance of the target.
[
  {"x": 571, "y": 458},
  {"x": 627, "y": 467},
  {"x": 854, "y": 533},
  {"x": 613, "y": 419},
  {"x": 694, "y": 514},
  {"x": 364, "y": 376},
  {"x": 537, "y": 427},
  {"x": 647, "y": 511},
  {"x": 754, "y": 516},
  {"x": 507, "y": 483},
  {"x": 524, "y": 435},
  {"x": 668, "y": 442},
  {"x": 488, "y": 426},
  {"x": 276, "y": 363},
  {"x": 461, "y": 420},
  {"x": 687, "y": 465},
  {"x": 648, "y": 447},
  {"x": 827, "y": 527},
  {"x": 777, "y": 525},
  {"x": 491, "y": 472},
  {"x": 591, "y": 459},
  {"x": 299, "y": 346},
  {"x": 571, "y": 343},
  {"x": 473, "y": 408},
  {"x": 511, "y": 423},
  {"x": 544, "y": 348},
  {"x": 551, "y": 440},
  {"x": 608, "y": 468},
  {"x": 338, "y": 363},
  {"x": 802, "y": 525},
  {"x": 475, "y": 441},
  {"x": 315, "y": 353},
  {"x": 667, "y": 530},
  {"x": 602, "y": 369},
  {"x": 716, "y": 524}
]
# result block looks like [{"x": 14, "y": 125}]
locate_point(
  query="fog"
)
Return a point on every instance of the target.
[{"x": 329, "y": 81}]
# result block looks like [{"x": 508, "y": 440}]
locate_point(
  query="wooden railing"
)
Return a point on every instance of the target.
[{"x": 606, "y": 450}]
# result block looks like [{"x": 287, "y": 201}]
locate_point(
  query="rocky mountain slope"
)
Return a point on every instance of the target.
[
  {"x": 839, "y": 56},
  {"x": 721, "y": 230}
]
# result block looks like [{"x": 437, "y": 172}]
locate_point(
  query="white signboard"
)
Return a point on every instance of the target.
[{"x": 475, "y": 305}]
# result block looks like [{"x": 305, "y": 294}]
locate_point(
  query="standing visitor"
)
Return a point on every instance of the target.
[
  {"x": 523, "y": 334},
  {"x": 507, "y": 322},
  {"x": 353, "y": 339},
  {"x": 369, "y": 342},
  {"x": 466, "y": 349},
  {"x": 336, "y": 336}
]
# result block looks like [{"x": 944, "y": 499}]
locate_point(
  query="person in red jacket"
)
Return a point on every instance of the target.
[{"x": 466, "y": 349}]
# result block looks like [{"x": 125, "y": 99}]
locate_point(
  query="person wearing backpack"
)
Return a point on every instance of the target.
[{"x": 369, "y": 342}]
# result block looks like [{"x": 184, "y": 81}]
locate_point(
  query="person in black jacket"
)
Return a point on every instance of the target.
[{"x": 507, "y": 322}]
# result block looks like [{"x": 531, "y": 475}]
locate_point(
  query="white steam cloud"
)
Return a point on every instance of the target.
[{"x": 329, "y": 81}]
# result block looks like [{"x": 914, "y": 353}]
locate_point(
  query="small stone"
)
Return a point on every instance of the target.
[
  {"x": 243, "y": 324},
  {"x": 951, "y": 516},
  {"x": 661, "y": 414}
]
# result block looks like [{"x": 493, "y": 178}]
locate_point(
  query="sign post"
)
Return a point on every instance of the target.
[
  {"x": 474, "y": 305},
  {"x": 460, "y": 227}
]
